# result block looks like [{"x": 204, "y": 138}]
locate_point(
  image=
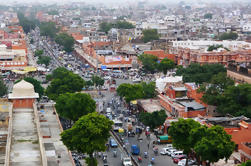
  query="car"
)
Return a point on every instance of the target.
[
  {"x": 176, "y": 153},
  {"x": 170, "y": 151},
  {"x": 126, "y": 161},
  {"x": 183, "y": 162},
  {"x": 113, "y": 143},
  {"x": 176, "y": 159},
  {"x": 164, "y": 151}
]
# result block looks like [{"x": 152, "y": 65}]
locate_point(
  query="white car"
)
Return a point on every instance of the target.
[
  {"x": 177, "y": 153},
  {"x": 183, "y": 162},
  {"x": 170, "y": 151},
  {"x": 126, "y": 161},
  {"x": 164, "y": 151}
]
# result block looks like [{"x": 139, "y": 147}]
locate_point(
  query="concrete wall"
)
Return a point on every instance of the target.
[
  {"x": 23, "y": 103},
  {"x": 40, "y": 139},
  {"x": 8, "y": 144},
  {"x": 238, "y": 77}
]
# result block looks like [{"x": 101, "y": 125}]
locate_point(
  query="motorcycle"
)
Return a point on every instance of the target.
[
  {"x": 139, "y": 159},
  {"x": 114, "y": 153},
  {"x": 152, "y": 161},
  {"x": 145, "y": 154}
]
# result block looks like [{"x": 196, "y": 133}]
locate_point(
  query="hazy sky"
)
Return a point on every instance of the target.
[{"x": 117, "y": 1}]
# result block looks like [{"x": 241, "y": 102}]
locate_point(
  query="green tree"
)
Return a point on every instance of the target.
[
  {"x": 97, "y": 81},
  {"x": 39, "y": 52},
  {"x": 150, "y": 34},
  {"x": 215, "y": 87},
  {"x": 105, "y": 27},
  {"x": 88, "y": 135},
  {"x": 123, "y": 25},
  {"x": 37, "y": 85},
  {"x": 3, "y": 88},
  {"x": 53, "y": 12},
  {"x": 208, "y": 16},
  {"x": 181, "y": 134},
  {"x": 149, "y": 62},
  {"x": 215, "y": 145},
  {"x": 148, "y": 90},
  {"x": 154, "y": 119},
  {"x": 200, "y": 73},
  {"x": 247, "y": 163},
  {"x": 236, "y": 100},
  {"x": 165, "y": 65},
  {"x": 66, "y": 41},
  {"x": 64, "y": 81},
  {"x": 48, "y": 29},
  {"x": 88, "y": 84},
  {"x": 136, "y": 91},
  {"x": 44, "y": 60},
  {"x": 26, "y": 23},
  {"x": 74, "y": 105},
  {"x": 228, "y": 36}
]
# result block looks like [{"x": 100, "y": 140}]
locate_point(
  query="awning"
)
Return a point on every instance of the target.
[
  {"x": 134, "y": 102},
  {"x": 19, "y": 71},
  {"x": 30, "y": 68}
]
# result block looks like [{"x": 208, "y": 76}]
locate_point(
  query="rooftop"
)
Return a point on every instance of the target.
[{"x": 192, "y": 104}]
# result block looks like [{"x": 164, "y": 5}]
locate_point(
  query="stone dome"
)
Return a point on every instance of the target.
[{"x": 23, "y": 89}]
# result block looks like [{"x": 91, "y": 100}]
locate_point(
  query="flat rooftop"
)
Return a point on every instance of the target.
[
  {"x": 55, "y": 150},
  {"x": 150, "y": 105}
]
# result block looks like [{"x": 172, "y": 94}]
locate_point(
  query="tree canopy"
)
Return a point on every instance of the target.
[
  {"x": 154, "y": 119},
  {"x": 97, "y": 81},
  {"x": 150, "y": 34},
  {"x": 247, "y": 163},
  {"x": 64, "y": 81},
  {"x": 165, "y": 65},
  {"x": 209, "y": 144},
  {"x": 149, "y": 62},
  {"x": 88, "y": 135},
  {"x": 37, "y": 85},
  {"x": 215, "y": 145},
  {"x": 136, "y": 91},
  {"x": 26, "y": 23},
  {"x": 105, "y": 26},
  {"x": 208, "y": 16},
  {"x": 72, "y": 106},
  {"x": 48, "y": 29},
  {"x": 44, "y": 60},
  {"x": 235, "y": 100},
  {"x": 228, "y": 36},
  {"x": 215, "y": 88},
  {"x": 200, "y": 73},
  {"x": 66, "y": 41},
  {"x": 3, "y": 88},
  {"x": 215, "y": 47},
  {"x": 39, "y": 52}
]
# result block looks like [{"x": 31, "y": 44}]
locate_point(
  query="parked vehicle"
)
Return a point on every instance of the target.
[
  {"x": 113, "y": 143},
  {"x": 176, "y": 159},
  {"x": 170, "y": 151},
  {"x": 177, "y": 153},
  {"x": 135, "y": 150},
  {"x": 164, "y": 151},
  {"x": 183, "y": 162}
]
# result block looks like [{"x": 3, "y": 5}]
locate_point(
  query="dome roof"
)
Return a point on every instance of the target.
[{"x": 23, "y": 89}]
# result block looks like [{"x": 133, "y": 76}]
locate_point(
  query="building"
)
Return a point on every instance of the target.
[
  {"x": 161, "y": 54},
  {"x": 176, "y": 98},
  {"x": 23, "y": 95},
  {"x": 240, "y": 130},
  {"x": 187, "y": 56}
]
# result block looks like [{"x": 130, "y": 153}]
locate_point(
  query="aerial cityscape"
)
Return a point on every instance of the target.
[{"x": 125, "y": 83}]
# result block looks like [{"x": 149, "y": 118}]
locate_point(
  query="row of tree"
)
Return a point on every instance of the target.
[
  {"x": 154, "y": 119},
  {"x": 90, "y": 131},
  {"x": 136, "y": 91},
  {"x": 206, "y": 144},
  {"x": 105, "y": 26},
  {"x": 27, "y": 24},
  {"x": 199, "y": 73},
  {"x": 152, "y": 64}
]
